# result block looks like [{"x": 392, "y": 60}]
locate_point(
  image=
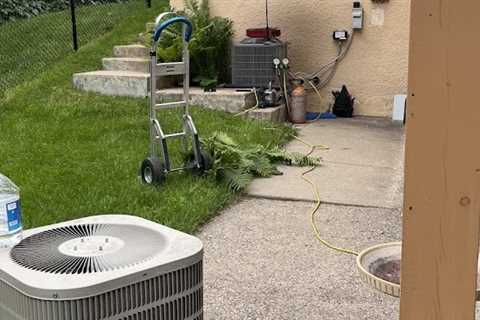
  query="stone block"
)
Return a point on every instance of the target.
[
  {"x": 228, "y": 100},
  {"x": 113, "y": 83},
  {"x": 275, "y": 114},
  {"x": 126, "y": 64},
  {"x": 130, "y": 51}
]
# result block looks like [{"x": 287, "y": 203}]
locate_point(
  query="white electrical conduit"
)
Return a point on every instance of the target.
[
  {"x": 285, "y": 94},
  {"x": 322, "y": 83},
  {"x": 329, "y": 68},
  {"x": 341, "y": 54}
]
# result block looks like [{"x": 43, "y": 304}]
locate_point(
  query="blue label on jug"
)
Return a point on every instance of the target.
[{"x": 14, "y": 216}]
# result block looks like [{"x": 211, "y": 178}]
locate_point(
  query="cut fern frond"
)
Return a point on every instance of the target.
[{"x": 237, "y": 166}]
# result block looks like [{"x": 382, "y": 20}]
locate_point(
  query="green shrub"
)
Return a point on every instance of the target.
[
  {"x": 209, "y": 47},
  {"x": 11, "y": 10},
  {"x": 18, "y": 9}
]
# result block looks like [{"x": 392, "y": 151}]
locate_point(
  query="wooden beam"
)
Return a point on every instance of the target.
[{"x": 442, "y": 191}]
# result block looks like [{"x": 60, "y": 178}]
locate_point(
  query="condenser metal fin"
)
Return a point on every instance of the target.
[{"x": 89, "y": 248}]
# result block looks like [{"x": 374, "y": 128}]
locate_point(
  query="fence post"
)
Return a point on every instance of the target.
[
  {"x": 149, "y": 3},
  {"x": 74, "y": 25}
]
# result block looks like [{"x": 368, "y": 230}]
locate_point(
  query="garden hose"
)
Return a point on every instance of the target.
[{"x": 318, "y": 200}]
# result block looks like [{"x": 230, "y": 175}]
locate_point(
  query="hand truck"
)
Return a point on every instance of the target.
[{"x": 154, "y": 169}]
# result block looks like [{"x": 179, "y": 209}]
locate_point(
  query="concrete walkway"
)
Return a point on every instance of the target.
[
  {"x": 364, "y": 165},
  {"x": 261, "y": 258}
]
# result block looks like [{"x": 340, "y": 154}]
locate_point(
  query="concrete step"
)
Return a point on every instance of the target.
[
  {"x": 275, "y": 114},
  {"x": 130, "y": 51},
  {"x": 136, "y": 84},
  {"x": 113, "y": 83},
  {"x": 126, "y": 64},
  {"x": 228, "y": 100}
]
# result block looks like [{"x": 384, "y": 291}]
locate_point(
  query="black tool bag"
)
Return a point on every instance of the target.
[{"x": 343, "y": 106}]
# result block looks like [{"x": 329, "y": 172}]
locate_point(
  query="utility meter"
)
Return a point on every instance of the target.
[{"x": 357, "y": 15}]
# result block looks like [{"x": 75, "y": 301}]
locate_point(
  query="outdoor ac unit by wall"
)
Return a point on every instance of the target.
[
  {"x": 110, "y": 267},
  {"x": 252, "y": 62}
]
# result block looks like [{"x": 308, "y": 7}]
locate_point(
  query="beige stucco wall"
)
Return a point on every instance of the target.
[{"x": 374, "y": 70}]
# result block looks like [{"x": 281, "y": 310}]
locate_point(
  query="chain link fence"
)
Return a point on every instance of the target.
[{"x": 28, "y": 45}]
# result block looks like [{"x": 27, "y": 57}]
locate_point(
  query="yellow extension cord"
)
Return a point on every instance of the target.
[
  {"x": 310, "y": 182},
  {"x": 318, "y": 200}
]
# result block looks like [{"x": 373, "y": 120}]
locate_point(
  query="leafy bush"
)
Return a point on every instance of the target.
[
  {"x": 209, "y": 47},
  {"x": 11, "y": 10},
  {"x": 18, "y": 9}
]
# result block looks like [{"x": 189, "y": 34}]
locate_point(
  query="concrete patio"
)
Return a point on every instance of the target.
[
  {"x": 262, "y": 260},
  {"x": 364, "y": 165}
]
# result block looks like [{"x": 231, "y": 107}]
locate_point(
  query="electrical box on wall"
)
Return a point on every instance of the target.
[
  {"x": 340, "y": 35},
  {"x": 357, "y": 16}
]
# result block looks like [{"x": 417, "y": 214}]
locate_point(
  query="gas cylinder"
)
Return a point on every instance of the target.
[{"x": 299, "y": 105}]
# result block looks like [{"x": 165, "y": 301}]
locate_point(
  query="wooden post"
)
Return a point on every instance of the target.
[{"x": 442, "y": 192}]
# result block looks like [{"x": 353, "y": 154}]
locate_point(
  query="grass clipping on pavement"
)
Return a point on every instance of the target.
[{"x": 237, "y": 166}]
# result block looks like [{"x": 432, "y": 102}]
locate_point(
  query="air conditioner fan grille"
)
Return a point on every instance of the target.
[{"x": 87, "y": 248}]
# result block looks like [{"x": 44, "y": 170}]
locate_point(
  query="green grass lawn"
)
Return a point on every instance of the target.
[
  {"x": 75, "y": 154},
  {"x": 30, "y": 46}
]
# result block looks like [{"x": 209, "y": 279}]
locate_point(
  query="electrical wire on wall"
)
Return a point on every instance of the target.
[
  {"x": 318, "y": 79},
  {"x": 321, "y": 77},
  {"x": 285, "y": 94}
]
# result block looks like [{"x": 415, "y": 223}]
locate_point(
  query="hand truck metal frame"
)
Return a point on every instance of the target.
[{"x": 155, "y": 168}]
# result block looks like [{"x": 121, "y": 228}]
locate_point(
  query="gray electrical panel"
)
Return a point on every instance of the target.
[{"x": 252, "y": 62}]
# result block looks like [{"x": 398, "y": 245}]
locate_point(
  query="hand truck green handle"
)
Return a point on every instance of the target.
[{"x": 166, "y": 24}]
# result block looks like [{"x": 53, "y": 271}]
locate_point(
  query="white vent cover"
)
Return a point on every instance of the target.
[{"x": 112, "y": 267}]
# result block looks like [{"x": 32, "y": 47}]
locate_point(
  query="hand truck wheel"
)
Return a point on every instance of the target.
[
  {"x": 206, "y": 163},
  {"x": 152, "y": 171}
]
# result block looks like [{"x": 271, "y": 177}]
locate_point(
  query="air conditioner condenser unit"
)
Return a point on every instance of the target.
[
  {"x": 112, "y": 267},
  {"x": 252, "y": 62}
]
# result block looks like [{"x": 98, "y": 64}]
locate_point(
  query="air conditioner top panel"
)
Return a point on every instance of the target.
[
  {"x": 260, "y": 42},
  {"x": 88, "y": 256}
]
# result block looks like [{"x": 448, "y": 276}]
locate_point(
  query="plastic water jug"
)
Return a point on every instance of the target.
[{"x": 10, "y": 213}]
